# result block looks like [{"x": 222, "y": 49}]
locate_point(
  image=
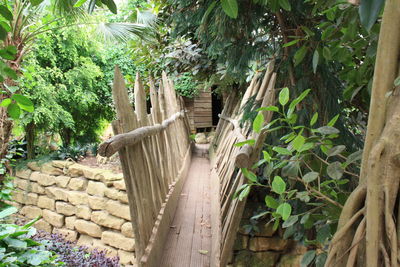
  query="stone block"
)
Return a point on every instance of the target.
[
  {"x": 62, "y": 181},
  {"x": 77, "y": 198},
  {"x": 33, "y": 165},
  {"x": 78, "y": 184},
  {"x": 126, "y": 257},
  {"x": 43, "y": 225},
  {"x": 31, "y": 199},
  {"x": 117, "y": 209},
  {"x": 46, "y": 203},
  {"x": 104, "y": 219},
  {"x": 111, "y": 193},
  {"x": 22, "y": 184},
  {"x": 127, "y": 230},
  {"x": 241, "y": 242},
  {"x": 48, "y": 168},
  {"x": 23, "y": 173},
  {"x": 36, "y": 188},
  {"x": 35, "y": 176},
  {"x": 120, "y": 185},
  {"x": 100, "y": 246},
  {"x": 290, "y": 260},
  {"x": 67, "y": 234},
  {"x": 247, "y": 258},
  {"x": 85, "y": 240},
  {"x": 88, "y": 228},
  {"x": 108, "y": 176},
  {"x": 265, "y": 243},
  {"x": 31, "y": 212},
  {"x": 91, "y": 173},
  {"x": 65, "y": 208},
  {"x": 75, "y": 170},
  {"x": 97, "y": 203},
  {"x": 96, "y": 188},
  {"x": 70, "y": 222},
  {"x": 123, "y": 197},
  {"x": 266, "y": 230},
  {"x": 45, "y": 179},
  {"x": 61, "y": 164},
  {"x": 117, "y": 240},
  {"x": 53, "y": 218},
  {"x": 57, "y": 193},
  {"x": 18, "y": 197},
  {"x": 83, "y": 212}
]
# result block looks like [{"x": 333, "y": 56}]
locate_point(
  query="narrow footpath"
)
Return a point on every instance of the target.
[{"x": 189, "y": 238}]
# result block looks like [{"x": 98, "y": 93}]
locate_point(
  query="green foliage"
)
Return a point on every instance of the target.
[
  {"x": 306, "y": 177},
  {"x": 17, "y": 248},
  {"x": 186, "y": 86}
]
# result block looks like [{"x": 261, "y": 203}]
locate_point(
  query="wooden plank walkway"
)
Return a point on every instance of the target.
[{"x": 189, "y": 238}]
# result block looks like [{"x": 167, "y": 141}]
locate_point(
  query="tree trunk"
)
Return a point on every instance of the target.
[
  {"x": 367, "y": 232},
  {"x": 30, "y": 139},
  {"x": 66, "y": 135}
]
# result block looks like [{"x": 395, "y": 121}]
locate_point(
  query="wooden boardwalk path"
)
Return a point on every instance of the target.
[{"x": 189, "y": 237}]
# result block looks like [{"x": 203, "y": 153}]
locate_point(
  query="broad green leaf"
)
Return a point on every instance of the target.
[
  {"x": 3, "y": 33},
  {"x": 333, "y": 121},
  {"x": 314, "y": 119},
  {"x": 258, "y": 122},
  {"x": 290, "y": 231},
  {"x": 306, "y": 146},
  {"x": 249, "y": 142},
  {"x": 285, "y": 210},
  {"x": 236, "y": 194},
  {"x": 244, "y": 193},
  {"x": 271, "y": 202},
  {"x": 354, "y": 157},
  {"x": 285, "y": 5},
  {"x": 276, "y": 224},
  {"x": 259, "y": 163},
  {"x": 299, "y": 55},
  {"x": 267, "y": 156},
  {"x": 230, "y": 8},
  {"x": 249, "y": 175},
  {"x": 335, "y": 170},
  {"x": 298, "y": 142},
  {"x": 6, "y": 13},
  {"x": 14, "y": 111},
  {"x": 284, "y": 96},
  {"x": 7, "y": 212},
  {"x": 323, "y": 234},
  {"x": 369, "y": 11},
  {"x": 336, "y": 150},
  {"x": 303, "y": 196},
  {"x": 397, "y": 81},
  {"x": 23, "y": 100},
  {"x": 315, "y": 60},
  {"x": 327, "y": 130},
  {"x": 278, "y": 185},
  {"x": 311, "y": 176},
  {"x": 308, "y": 257},
  {"x": 281, "y": 150},
  {"x": 36, "y": 2},
  {"x": 270, "y": 108},
  {"x": 291, "y": 169},
  {"x": 79, "y": 3},
  {"x": 320, "y": 260},
  {"x": 291, "y": 43},
  {"x": 15, "y": 243},
  {"x": 290, "y": 221},
  {"x": 10, "y": 73},
  {"x": 5, "y": 102},
  {"x": 111, "y": 5},
  {"x": 208, "y": 11},
  {"x": 326, "y": 53},
  {"x": 300, "y": 98}
]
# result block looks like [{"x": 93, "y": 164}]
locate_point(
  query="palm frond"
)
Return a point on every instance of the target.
[{"x": 124, "y": 31}]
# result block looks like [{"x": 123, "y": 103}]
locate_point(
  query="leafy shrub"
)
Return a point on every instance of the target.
[
  {"x": 75, "y": 256},
  {"x": 75, "y": 152},
  {"x": 306, "y": 178},
  {"x": 17, "y": 248},
  {"x": 186, "y": 86}
]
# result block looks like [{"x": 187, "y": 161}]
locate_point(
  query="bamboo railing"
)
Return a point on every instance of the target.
[
  {"x": 226, "y": 159},
  {"x": 155, "y": 151}
]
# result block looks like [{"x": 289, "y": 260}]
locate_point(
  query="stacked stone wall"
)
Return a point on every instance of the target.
[{"x": 84, "y": 204}]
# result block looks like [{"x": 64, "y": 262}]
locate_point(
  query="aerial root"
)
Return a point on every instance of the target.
[
  {"x": 359, "y": 235},
  {"x": 390, "y": 228}
]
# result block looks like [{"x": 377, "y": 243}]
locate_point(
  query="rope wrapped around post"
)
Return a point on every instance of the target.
[{"x": 112, "y": 145}]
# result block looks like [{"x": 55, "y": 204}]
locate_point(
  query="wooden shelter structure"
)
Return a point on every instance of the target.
[{"x": 155, "y": 154}]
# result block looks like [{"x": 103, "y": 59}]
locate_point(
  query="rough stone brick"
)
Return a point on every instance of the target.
[
  {"x": 126, "y": 257},
  {"x": 33, "y": 166},
  {"x": 48, "y": 168},
  {"x": 117, "y": 240},
  {"x": 46, "y": 203},
  {"x": 88, "y": 228},
  {"x": 70, "y": 222},
  {"x": 65, "y": 208},
  {"x": 18, "y": 196},
  {"x": 31, "y": 212},
  {"x": 75, "y": 170},
  {"x": 267, "y": 243},
  {"x": 111, "y": 193},
  {"x": 85, "y": 240},
  {"x": 61, "y": 164},
  {"x": 120, "y": 185},
  {"x": 57, "y": 193},
  {"x": 62, "y": 181},
  {"x": 31, "y": 199},
  {"x": 78, "y": 184},
  {"x": 99, "y": 245},
  {"x": 104, "y": 219},
  {"x": 53, "y": 218},
  {"x": 127, "y": 230},
  {"x": 97, "y": 203},
  {"x": 68, "y": 234},
  {"x": 83, "y": 212},
  {"x": 96, "y": 188},
  {"x": 22, "y": 184},
  {"x": 117, "y": 209},
  {"x": 35, "y": 176},
  {"x": 77, "y": 198},
  {"x": 123, "y": 197},
  {"x": 36, "y": 188},
  {"x": 43, "y": 225},
  {"x": 91, "y": 173},
  {"x": 23, "y": 173},
  {"x": 108, "y": 176},
  {"x": 46, "y": 179}
]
